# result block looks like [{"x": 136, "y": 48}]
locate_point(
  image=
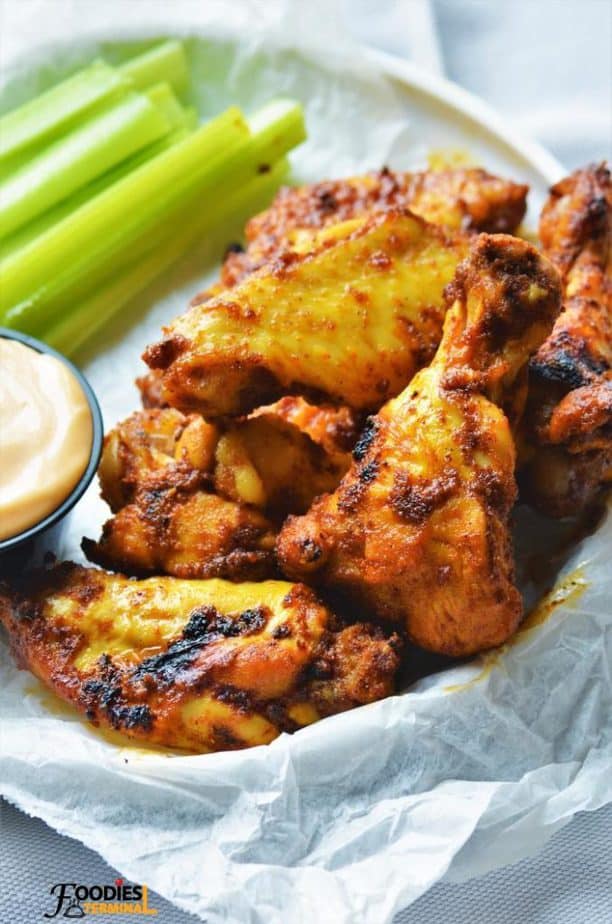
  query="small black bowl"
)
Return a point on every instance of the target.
[{"x": 34, "y": 545}]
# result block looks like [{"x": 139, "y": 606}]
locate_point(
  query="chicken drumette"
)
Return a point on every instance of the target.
[
  {"x": 417, "y": 531},
  {"x": 198, "y": 665}
]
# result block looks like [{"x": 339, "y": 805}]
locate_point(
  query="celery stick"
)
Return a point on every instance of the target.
[
  {"x": 166, "y": 62},
  {"x": 96, "y": 311},
  {"x": 47, "y": 115},
  {"x": 80, "y": 249},
  {"x": 165, "y": 101},
  {"x": 79, "y": 157},
  {"x": 52, "y": 112},
  {"x": 131, "y": 216},
  {"x": 24, "y": 237},
  {"x": 191, "y": 118}
]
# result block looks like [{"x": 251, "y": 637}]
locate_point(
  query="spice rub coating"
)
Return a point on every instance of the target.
[
  {"x": 417, "y": 532},
  {"x": 468, "y": 199},
  {"x": 568, "y": 423},
  {"x": 198, "y": 501},
  {"x": 333, "y": 428},
  {"x": 156, "y": 476},
  {"x": 197, "y": 665},
  {"x": 348, "y": 322}
]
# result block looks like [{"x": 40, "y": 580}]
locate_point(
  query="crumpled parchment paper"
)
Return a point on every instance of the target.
[{"x": 355, "y": 817}]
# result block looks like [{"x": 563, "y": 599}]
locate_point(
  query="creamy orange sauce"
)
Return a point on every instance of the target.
[{"x": 46, "y": 433}]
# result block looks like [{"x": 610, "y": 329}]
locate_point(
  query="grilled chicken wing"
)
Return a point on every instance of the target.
[
  {"x": 568, "y": 424},
  {"x": 155, "y": 474},
  {"x": 185, "y": 493},
  {"x": 267, "y": 461},
  {"x": 467, "y": 199},
  {"x": 334, "y": 428},
  {"x": 418, "y": 529},
  {"x": 174, "y": 526},
  {"x": 150, "y": 442},
  {"x": 198, "y": 665},
  {"x": 351, "y": 321}
]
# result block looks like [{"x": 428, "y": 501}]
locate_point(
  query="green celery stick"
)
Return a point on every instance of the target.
[
  {"x": 76, "y": 159},
  {"x": 47, "y": 115},
  {"x": 191, "y": 119},
  {"x": 132, "y": 216},
  {"x": 25, "y": 236},
  {"x": 166, "y": 62},
  {"x": 164, "y": 99},
  {"x": 80, "y": 325},
  {"x": 82, "y": 247}
]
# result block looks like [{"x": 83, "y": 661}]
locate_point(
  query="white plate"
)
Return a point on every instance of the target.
[
  {"x": 452, "y": 117},
  {"x": 356, "y": 816}
]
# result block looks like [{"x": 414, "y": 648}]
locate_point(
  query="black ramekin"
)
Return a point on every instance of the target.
[{"x": 33, "y": 546}]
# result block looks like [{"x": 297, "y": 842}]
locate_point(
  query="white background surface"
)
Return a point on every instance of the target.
[{"x": 546, "y": 64}]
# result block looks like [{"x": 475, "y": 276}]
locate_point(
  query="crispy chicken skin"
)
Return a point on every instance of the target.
[
  {"x": 156, "y": 476},
  {"x": 264, "y": 460},
  {"x": 267, "y": 461},
  {"x": 467, "y": 199},
  {"x": 184, "y": 493},
  {"x": 350, "y": 321},
  {"x": 568, "y": 424},
  {"x": 418, "y": 532},
  {"x": 149, "y": 442},
  {"x": 197, "y": 665},
  {"x": 175, "y": 527},
  {"x": 334, "y": 428},
  {"x": 151, "y": 388}
]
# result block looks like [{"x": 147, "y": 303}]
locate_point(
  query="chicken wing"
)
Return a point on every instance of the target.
[
  {"x": 418, "y": 529},
  {"x": 197, "y": 665},
  {"x": 350, "y": 321},
  {"x": 185, "y": 493},
  {"x": 568, "y": 424},
  {"x": 468, "y": 199},
  {"x": 334, "y": 428},
  {"x": 150, "y": 442},
  {"x": 268, "y": 462},
  {"x": 173, "y": 526},
  {"x": 156, "y": 476}
]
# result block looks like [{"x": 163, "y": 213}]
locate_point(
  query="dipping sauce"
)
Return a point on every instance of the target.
[{"x": 46, "y": 435}]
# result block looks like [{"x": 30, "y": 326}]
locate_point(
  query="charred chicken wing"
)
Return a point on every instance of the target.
[
  {"x": 334, "y": 428},
  {"x": 155, "y": 474},
  {"x": 351, "y": 321},
  {"x": 568, "y": 425},
  {"x": 417, "y": 531},
  {"x": 467, "y": 199},
  {"x": 197, "y": 665},
  {"x": 267, "y": 461},
  {"x": 194, "y": 500}
]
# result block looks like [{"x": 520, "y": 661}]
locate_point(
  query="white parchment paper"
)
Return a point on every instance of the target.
[{"x": 355, "y": 817}]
